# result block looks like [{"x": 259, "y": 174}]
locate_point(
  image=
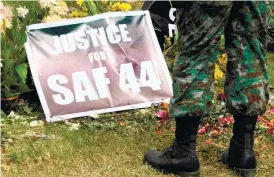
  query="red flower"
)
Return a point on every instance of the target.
[
  {"x": 221, "y": 96},
  {"x": 230, "y": 119},
  {"x": 226, "y": 121},
  {"x": 270, "y": 131},
  {"x": 222, "y": 121}
]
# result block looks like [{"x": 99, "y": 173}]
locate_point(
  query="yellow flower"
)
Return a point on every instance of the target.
[
  {"x": 53, "y": 18},
  {"x": 85, "y": 9},
  {"x": 5, "y": 23},
  {"x": 218, "y": 73},
  {"x": 79, "y": 2},
  {"x": 222, "y": 60},
  {"x": 83, "y": 14},
  {"x": 74, "y": 14},
  {"x": 125, "y": 7},
  {"x": 78, "y": 14},
  {"x": 118, "y": 6}
]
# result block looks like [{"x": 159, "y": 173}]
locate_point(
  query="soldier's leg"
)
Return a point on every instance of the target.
[
  {"x": 246, "y": 86},
  {"x": 200, "y": 26}
]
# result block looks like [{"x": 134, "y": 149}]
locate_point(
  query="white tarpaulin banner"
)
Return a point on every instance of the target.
[{"x": 98, "y": 64}]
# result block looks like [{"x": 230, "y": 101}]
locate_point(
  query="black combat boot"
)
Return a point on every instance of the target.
[
  {"x": 240, "y": 155},
  {"x": 180, "y": 158}
]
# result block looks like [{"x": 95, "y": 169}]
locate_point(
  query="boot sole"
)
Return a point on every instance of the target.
[
  {"x": 188, "y": 174},
  {"x": 178, "y": 173},
  {"x": 245, "y": 172},
  {"x": 238, "y": 171}
]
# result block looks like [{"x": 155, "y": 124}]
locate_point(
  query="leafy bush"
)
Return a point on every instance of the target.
[{"x": 15, "y": 17}]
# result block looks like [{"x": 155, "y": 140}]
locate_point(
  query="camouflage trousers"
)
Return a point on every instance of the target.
[{"x": 200, "y": 26}]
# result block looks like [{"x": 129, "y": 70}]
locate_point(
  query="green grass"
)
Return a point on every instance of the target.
[
  {"x": 114, "y": 152},
  {"x": 270, "y": 63}
]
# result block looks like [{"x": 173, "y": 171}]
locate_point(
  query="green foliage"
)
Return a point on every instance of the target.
[
  {"x": 92, "y": 7},
  {"x": 3, "y": 115},
  {"x": 270, "y": 64},
  {"x": 22, "y": 71},
  {"x": 15, "y": 67},
  {"x": 271, "y": 20},
  {"x": 222, "y": 44},
  {"x": 14, "y": 157}
]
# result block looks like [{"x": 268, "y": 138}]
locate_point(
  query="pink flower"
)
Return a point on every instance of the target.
[
  {"x": 5, "y": 11},
  {"x": 270, "y": 131},
  {"x": 259, "y": 118},
  {"x": 162, "y": 114},
  {"x": 271, "y": 110},
  {"x": 202, "y": 131}
]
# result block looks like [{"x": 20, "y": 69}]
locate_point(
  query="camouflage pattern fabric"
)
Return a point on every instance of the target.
[{"x": 200, "y": 26}]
